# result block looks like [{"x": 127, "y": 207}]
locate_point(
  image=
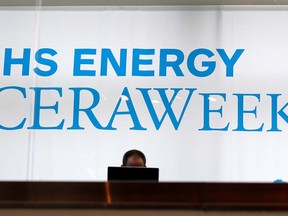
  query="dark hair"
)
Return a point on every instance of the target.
[{"x": 133, "y": 153}]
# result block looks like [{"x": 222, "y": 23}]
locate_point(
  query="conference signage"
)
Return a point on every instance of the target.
[
  {"x": 139, "y": 59},
  {"x": 202, "y": 92}
]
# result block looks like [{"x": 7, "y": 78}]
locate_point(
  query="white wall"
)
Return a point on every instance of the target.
[{"x": 186, "y": 154}]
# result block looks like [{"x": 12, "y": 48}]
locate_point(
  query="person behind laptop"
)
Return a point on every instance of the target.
[
  {"x": 133, "y": 168},
  {"x": 134, "y": 158}
]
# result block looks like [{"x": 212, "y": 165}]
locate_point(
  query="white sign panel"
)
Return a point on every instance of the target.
[{"x": 202, "y": 92}]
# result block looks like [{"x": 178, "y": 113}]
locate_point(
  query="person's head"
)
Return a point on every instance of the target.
[{"x": 134, "y": 158}]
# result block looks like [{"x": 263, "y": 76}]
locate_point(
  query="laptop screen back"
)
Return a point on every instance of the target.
[{"x": 133, "y": 174}]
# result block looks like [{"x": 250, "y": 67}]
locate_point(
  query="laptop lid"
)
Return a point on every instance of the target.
[{"x": 133, "y": 174}]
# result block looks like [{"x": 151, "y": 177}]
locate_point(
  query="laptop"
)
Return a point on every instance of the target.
[{"x": 133, "y": 174}]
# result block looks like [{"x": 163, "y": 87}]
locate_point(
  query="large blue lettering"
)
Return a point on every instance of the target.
[
  {"x": 207, "y": 110},
  {"x": 9, "y": 61},
  {"x": 241, "y": 112},
  {"x": 88, "y": 111},
  {"x": 21, "y": 124},
  {"x": 137, "y": 61},
  {"x": 230, "y": 62},
  {"x": 120, "y": 68},
  {"x": 131, "y": 111},
  {"x": 44, "y": 61},
  {"x": 167, "y": 104},
  {"x": 175, "y": 65},
  {"x": 275, "y": 112},
  {"x": 38, "y": 107},
  {"x": 78, "y": 61},
  {"x": 210, "y": 65}
]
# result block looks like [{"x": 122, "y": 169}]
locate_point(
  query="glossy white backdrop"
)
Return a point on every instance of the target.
[{"x": 186, "y": 154}]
